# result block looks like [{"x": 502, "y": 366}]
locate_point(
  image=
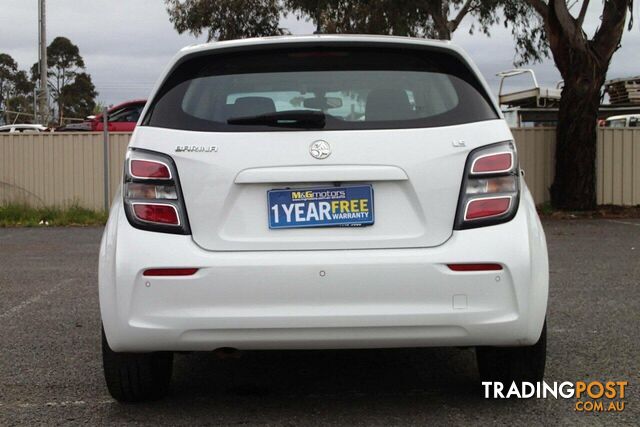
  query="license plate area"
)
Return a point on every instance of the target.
[{"x": 348, "y": 206}]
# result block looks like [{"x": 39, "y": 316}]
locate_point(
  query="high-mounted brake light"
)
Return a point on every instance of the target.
[
  {"x": 152, "y": 197},
  {"x": 490, "y": 188}
]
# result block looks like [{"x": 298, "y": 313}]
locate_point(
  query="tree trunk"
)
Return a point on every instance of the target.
[
  {"x": 574, "y": 187},
  {"x": 440, "y": 14},
  {"x": 583, "y": 64}
]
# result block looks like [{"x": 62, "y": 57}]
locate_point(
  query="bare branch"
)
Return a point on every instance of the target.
[
  {"x": 583, "y": 13},
  {"x": 541, "y": 7},
  {"x": 607, "y": 39},
  {"x": 566, "y": 21},
  {"x": 453, "y": 24}
]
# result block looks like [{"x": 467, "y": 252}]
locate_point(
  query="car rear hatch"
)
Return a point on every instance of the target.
[{"x": 383, "y": 130}]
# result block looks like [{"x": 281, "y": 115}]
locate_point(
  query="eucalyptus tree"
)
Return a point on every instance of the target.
[
  {"x": 230, "y": 19},
  {"x": 539, "y": 27},
  {"x": 583, "y": 60}
]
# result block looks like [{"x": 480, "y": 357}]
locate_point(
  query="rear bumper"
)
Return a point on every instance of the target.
[{"x": 324, "y": 299}]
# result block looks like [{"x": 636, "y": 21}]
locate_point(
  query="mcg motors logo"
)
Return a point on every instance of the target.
[{"x": 197, "y": 149}]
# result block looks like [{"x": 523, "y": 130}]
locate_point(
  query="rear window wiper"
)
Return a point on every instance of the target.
[{"x": 304, "y": 119}]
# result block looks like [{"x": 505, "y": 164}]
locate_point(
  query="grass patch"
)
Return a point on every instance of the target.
[
  {"x": 545, "y": 209},
  {"x": 20, "y": 215}
]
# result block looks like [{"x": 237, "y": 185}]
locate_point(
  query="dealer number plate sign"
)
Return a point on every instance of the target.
[{"x": 321, "y": 207}]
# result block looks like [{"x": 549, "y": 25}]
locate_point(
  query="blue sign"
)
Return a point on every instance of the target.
[{"x": 321, "y": 207}]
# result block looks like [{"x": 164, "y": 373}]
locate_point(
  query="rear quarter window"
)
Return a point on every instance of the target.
[{"x": 355, "y": 87}]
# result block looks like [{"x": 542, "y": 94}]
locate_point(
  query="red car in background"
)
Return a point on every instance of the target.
[{"x": 122, "y": 117}]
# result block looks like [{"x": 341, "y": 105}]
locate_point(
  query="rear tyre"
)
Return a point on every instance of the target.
[
  {"x": 136, "y": 377},
  {"x": 509, "y": 364}
]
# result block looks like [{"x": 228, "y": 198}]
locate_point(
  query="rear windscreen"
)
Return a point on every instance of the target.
[{"x": 355, "y": 88}]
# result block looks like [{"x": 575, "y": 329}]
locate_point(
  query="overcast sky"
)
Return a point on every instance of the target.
[{"x": 127, "y": 43}]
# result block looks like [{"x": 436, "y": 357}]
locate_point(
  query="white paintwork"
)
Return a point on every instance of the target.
[
  {"x": 417, "y": 212},
  {"x": 627, "y": 118},
  {"x": 325, "y": 173},
  {"x": 387, "y": 285},
  {"x": 22, "y": 128}
]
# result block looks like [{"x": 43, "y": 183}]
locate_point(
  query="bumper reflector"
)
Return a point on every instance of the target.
[
  {"x": 474, "y": 267},
  {"x": 170, "y": 272}
]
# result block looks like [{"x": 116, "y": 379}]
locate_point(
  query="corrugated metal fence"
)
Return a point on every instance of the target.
[
  {"x": 65, "y": 168},
  {"x": 617, "y": 163},
  {"x": 57, "y": 169}
]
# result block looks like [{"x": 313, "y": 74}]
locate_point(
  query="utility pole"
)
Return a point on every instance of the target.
[{"x": 43, "y": 95}]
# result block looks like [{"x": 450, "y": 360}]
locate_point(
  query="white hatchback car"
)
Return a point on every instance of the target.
[{"x": 321, "y": 192}]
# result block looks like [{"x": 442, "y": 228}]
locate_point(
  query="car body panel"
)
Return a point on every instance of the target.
[
  {"x": 324, "y": 299},
  {"x": 386, "y": 285},
  {"x": 417, "y": 212}
]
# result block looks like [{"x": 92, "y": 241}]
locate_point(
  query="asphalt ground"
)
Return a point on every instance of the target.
[{"x": 51, "y": 373}]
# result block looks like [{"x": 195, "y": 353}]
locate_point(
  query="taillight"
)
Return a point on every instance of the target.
[
  {"x": 490, "y": 187},
  {"x": 157, "y": 213},
  {"x": 149, "y": 169},
  {"x": 492, "y": 163},
  {"x": 152, "y": 197}
]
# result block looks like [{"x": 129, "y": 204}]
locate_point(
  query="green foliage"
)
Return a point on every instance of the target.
[
  {"x": 433, "y": 19},
  {"x": 64, "y": 55},
  {"x": 98, "y": 108},
  {"x": 79, "y": 97},
  {"x": 16, "y": 91},
  {"x": 70, "y": 87},
  {"x": 527, "y": 27},
  {"x": 231, "y": 19},
  {"x": 20, "y": 215},
  {"x": 64, "y": 62},
  {"x": 545, "y": 209},
  {"x": 224, "y": 20},
  {"x": 8, "y": 68}
]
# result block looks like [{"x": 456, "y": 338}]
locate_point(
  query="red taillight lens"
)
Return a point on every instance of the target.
[
  {"x": 170, "y": 272},
  {"x": 148, "y": 169},
  {"x": 493, "y": 163},
  {"x": 474, "y": 267},
  {"x": 485, "y": 208},
  {"x": 161, "y": 214}
]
